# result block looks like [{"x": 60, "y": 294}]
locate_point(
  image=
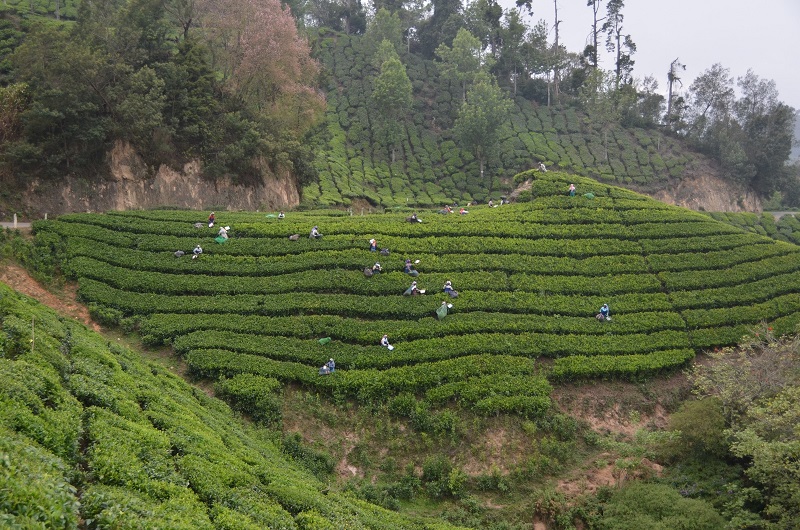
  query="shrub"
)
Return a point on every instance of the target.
[
  {"x": 253, "y": 395},
  {"x": 656, "y": 507},
  {"x": 317, "y": 462},
  {"x": 701, "y": 426}
]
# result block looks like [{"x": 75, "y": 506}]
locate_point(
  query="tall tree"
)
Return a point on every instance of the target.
[
  {"x": 384, "y": 26},
  {"x": 768, "y": 125},
  {"x": 265, "y": 61},
  {"x": 348, "y": 16},
  {"x": 191, "y": 106},
  {"x": 441, "y": 27},
  {"x": 392, "y": 96},
  {"x": 69, "y": 120},
  {"x": 711, "y": 100},
  {"x": 620, "y": 45},
  {"x": 556, "y": 53},
  {"x": 481, "y": 118},
  {"x": 712, "y": 126},
  {"x": 537, "y": 62},
  {"x": 645, "y": 103},
  {"x": 183, "y": 13},
  {"x": 512, "y": 36},
  {"x": 591, "y": 51},
  {"x": 464, "y": 60},
  {"x": 482, "y": 19}
]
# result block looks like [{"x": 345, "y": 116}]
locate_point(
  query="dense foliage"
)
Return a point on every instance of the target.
[
  {"x": 232, "y": 85},
  {"x": 94, "y": 437},
  {"x": 437, "y": 162},
  {"x": 531, "y": 276},
  {"x": 784, "y": 228}
]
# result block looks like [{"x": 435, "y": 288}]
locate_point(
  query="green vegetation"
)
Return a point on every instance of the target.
[
  {"x": 94, "y": 437},
  {"x": 435, "y": 167},
  {"x": 82, "y": 78},
  {"x": 786, "y": 228},
  {"x": 416, "y": 429},
  {"x": 531, "y": 276}
]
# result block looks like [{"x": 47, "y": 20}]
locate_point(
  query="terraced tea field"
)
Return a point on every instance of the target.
[{"x": 531, "y": 277}]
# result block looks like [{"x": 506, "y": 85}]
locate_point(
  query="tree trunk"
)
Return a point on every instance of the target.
[
  {"x": 515, "y": 79},
  {"x": 556, "y": 73}
]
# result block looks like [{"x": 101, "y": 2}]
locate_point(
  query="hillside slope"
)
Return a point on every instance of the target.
[
  {"x": 531, "y": 277},
  {"x": 93, "y": 437},
  {"x": 431, "y": 169}
]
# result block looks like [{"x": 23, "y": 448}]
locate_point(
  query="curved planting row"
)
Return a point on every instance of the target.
[
  {"x": 531, "y": 277},
  {"x": 351, "y": 282},
  {"x": 93, "y": 436},
  {"x": 350, "y": 259},
  {"x": 490, "y": 224},
  {"x": 160, "y": 328},
  {"x": 785, "y": 228}
]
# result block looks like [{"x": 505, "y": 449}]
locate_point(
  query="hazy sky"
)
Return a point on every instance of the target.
[{"x": 762, "y": 35}]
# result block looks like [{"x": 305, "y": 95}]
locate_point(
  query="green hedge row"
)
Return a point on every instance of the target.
[
  {"x": 354, "y": 282},
  {"x": 627, "y": 366},
  {"x": 162, "y": 327},
  {"x": 737, "y": 295},
  {"x": 368, "y": 386},
  {"x": 735, "y": 275},
  {"x": 397, "y": 307},
  {"x": 252, "y": 395},
  {"x": 717, "y": 260},
  {"x": 532, "y": 391},
  {"x": 433, "y": 349},
  {"x": 353, "y": 259},
  {"x": 709, "y": 243},
  {"x": 750, "y": 314}
]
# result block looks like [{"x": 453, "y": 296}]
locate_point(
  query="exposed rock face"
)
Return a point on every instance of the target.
[
  {"x": 134, "y": 186},
  {"x": 706, "y": 191}
]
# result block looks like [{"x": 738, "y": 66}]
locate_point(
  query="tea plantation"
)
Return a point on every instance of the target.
[
  {"x": 786, "y": 228},
  {"x": 431, "y": 167},
  {"x": 531, "y": 276},
  {"x": 91, "y": 436}
]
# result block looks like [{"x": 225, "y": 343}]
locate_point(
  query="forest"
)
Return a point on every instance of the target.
[{"x": 243, "y": 87}]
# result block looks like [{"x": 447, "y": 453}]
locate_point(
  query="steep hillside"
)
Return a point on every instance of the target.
[
  {"x": 785, "y": 227},
  {"x": 93, "y": 437},
  {"x": 431, "y": 169},
  {"x": 531, "y": 275}
]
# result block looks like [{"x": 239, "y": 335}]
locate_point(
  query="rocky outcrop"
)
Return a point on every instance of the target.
[
  {"x": 702, "y": 188},
  {"x": 709, "y": 193},
  {"x": 132, "y": 185}
]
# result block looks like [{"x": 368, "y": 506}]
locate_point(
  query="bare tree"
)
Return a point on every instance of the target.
[
  {"x": 673, "y": 77},
  {"x": 556, "y": 69}
]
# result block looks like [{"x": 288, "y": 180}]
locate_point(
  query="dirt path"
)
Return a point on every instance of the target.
[{"x": 64, "y": 303}]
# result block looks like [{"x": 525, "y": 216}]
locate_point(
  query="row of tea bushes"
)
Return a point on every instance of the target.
[
  {"x": 93, "y": 436},
  {"x": 531, "y": 277}
]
